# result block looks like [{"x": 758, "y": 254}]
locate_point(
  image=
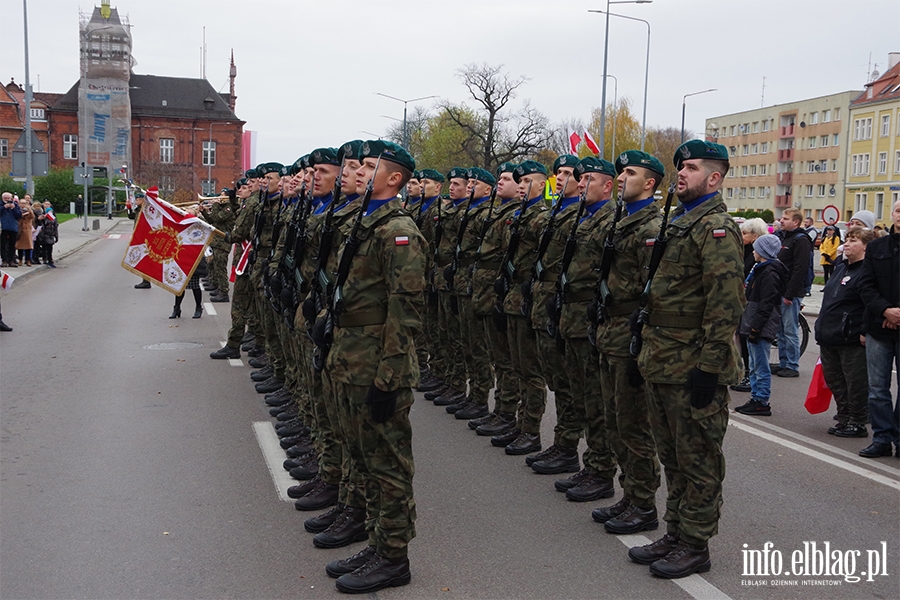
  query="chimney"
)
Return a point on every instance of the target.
[{"x": 893, "y": 59}]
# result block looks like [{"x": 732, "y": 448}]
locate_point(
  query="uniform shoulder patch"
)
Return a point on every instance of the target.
[
  {"x": 650, "y": 242},
  {"x": 719, "y": 233},
  {"x": 401, "y": 240}
]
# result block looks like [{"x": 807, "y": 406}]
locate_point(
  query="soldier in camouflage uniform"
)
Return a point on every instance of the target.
[
  {"x": 373, "y": 366},
  {"x": 594, "y": 178},
  {"x": 478, "y": 361},
  {"x": 689, "y": 358},
  {"x": 525, "y": 437},
  {"x": 489, "y": 258},
  {"x": 221, "y": 215},
  {"x": 627, "y": 414}
]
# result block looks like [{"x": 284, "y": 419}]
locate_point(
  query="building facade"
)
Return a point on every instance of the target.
[
  {"x": 786, "y": 155},
  {"x": 873, "y": 160}
]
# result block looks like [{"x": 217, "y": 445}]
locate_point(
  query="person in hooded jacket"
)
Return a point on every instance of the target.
[{"x": 761, "y": 320}]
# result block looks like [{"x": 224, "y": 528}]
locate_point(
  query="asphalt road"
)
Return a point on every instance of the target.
[{"x": 130, "y": 471}]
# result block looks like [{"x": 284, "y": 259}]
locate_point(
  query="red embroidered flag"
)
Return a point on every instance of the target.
[
  {"x": 167, "y": 244},
  {"x": 591, "y": 143},
  {"x": 574, "y": 140}
]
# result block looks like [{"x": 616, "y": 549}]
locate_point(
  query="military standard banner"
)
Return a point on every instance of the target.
[{"x": 167, "y": 244}]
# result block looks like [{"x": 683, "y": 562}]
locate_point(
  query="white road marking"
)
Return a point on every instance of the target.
[
  {"x": 892, "y": 483},
  {"x": 274, "y": 455},
  {"x": 114, "y": 236},
  {"x": 811, "y": 442},
  {"x": 235, "y": 362},
  {"x": 694, "y": 585},
  {"x": 210, "y": 309}
]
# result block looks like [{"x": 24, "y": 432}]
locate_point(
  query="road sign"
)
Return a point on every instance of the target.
[
  {"x": 831, "y": 214},
  {"x": 80, "y": 173}
]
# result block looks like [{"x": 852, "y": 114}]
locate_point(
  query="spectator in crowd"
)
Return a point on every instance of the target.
[
  {"x": 761, "y": 320},
  {"x": 796, "y": 254},
  {"x": 48, "y": 236},
  {"x": 751, "y": 229},
  {"x": 10, "y": 213},
  {"x": 37, "y": 246},
  {"x": 863, "y": 218},
  {"x": 810, "y": 229},
  {"x": 829, "y": 250},
  {"x": 79, "y": 206},
  {"x": 880, "y": 287},
  {"x": 839, "y": 333},
  {"x": 24, "y": 239}
]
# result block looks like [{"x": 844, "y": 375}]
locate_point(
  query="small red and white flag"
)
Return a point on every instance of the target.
[
  {"x": 574, "y": 140},
  {"x": 240, "y": 265},
  {"x": 591, "y": 144},
  {"x": 49, "y": 215},
  {"x": 6, "y": 281},
  {"x": 401, "y": 240},
  {"x": 167, "y": 244}
]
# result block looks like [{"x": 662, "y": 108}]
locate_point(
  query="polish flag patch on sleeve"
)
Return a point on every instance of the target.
[
  {"x": 719, "y": 233},
  {"x": 401, "y": 240},
  {"x": 650, "y": 242}
]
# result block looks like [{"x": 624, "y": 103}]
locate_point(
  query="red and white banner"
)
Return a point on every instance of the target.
[
  {"x": 240, "y": 265},
  {"x": 6, "y": 281},
  {"x": 167, "y": 244},
  {"x": 574, "y": 140},
  {"x": 591, "y": 144}
]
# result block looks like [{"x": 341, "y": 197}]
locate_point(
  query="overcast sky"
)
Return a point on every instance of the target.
[{"x": 307, "y": 71}]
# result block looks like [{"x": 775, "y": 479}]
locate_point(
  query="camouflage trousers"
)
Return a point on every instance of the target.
[
  {"x": 270, "y": 331},
  {"x": 289, "y": 351},
  {"x": 629, "y": 433},
  {"x": 506, "y": 392},
  {"x": 218, "y": 269},
  {"x": 586, "y": 405},
  {"x": 437, "y": 354},
  {"x": 302, "y": 396},
  {"x": 689, "y": 442},
  {"x": 532, "y": 389},
  {"x": 241, "y": 308},
  {"x": 326, "y": 437},
  {"x": 570, "y": 426},
  {"x": 478, "y": 359},
  {"x": 384, "y": 453},
  {"x": 451, "y": 339}
]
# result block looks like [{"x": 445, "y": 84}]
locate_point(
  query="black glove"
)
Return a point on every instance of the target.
[
  {"x": 499, "y": 318},
  {"x": 448, "y": 275},
  {"x": 309, "y": 311},
  {"x": 228, "y": 237},
  {"x": 433, "y": 299},
  {"x": 753, "y": 338},
  {"x": 635, "y": 379},
  {"x": 702, "y": 386},
  {"x": 454, "y": 305},
  {"x": 381, "y": 404},
  {"x": 593, "y": 311}
]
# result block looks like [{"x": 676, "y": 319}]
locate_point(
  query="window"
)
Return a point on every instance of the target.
[
  {"x": 860, "y": 203},
  {"x": 894, "y": 197},
  {"x": 208, "y": 186},
  {"x": 826, "y": 116},
  {"x": 834, "y": 164},
  {"x": 813, "y": 118},
  {"x": 820, "y": 191},
  {"x": 809, "y": 191},
  {"x": 862, "y": 129},
  {"x": 819, "y": 214},
  {"x": 811, "y": 166},
  {"x": 753, "y": 192},
  {"x": 755, "y": 127},
  {"x": 70, "y": 146},
  {"x": 733, "y": 150},
  {"x": 4, "y": 149},
  {"x": 834, "y": 139},
  {"x": 764, "y": 148},
  {"x": 808, "y": 214},
  {"x": 859, "y": 164},
  {"x": 765, "y": 125},
  {"x": 166, "y": 150},
  {"x": 744, "y": 171},
  {"x": 885, "y": 125},
  {"x": 762, "y": 192},
  {"x": 167, "y": 185},
  {"x": 731, "y": 170},
  {"x": 754, "y": 149},
  {"x": 837, "y": 114},
  {"x": 824, "y": 141},
  {"x": 729, "y": 193},
  {"x": 38, "y": 114},
  {"x": 732, "y": 130},
  {"x": 823, "y": 165},
  {"x": 745, "y": 150},
  {"x": 879, "y": 205},
  {"x": 209, "y": 154},
  {"x": 882, "y": 163},
  {"x": 896, "y": 158},
  {"x": 812, "y": 142},
  {"x": 763, "y": 169},
  {"x": 752, "y": 170},
  {"x": 743, "y": 193}
]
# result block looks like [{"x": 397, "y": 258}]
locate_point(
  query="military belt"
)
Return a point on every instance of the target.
[
  {"x": 363, "y": 318},
  {"x": 522, "y": 277},
  {"x": 466, "y": 262},
  {"x": 550, "y": 274},
  {"x": 493, "y": 265},
  {"x": 678, "y": 321},
  {"x": 620, "y": 310},
  {"x": 580, "y": 296}
]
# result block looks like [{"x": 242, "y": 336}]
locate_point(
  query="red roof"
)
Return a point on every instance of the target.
[{"x": 883, "y": 89}]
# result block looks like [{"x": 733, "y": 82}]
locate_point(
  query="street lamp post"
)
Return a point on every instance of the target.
[
  {"x": 605, "y": 57},
  {"x": 684, "y": 106},
  {"x": 646, "y": 71},
  {"x": 615, "y": 112},
  {"x": 209, "y": 156},
  {"x": 405, "y": 102}
]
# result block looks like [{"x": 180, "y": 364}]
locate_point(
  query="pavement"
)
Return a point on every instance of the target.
[{"x": 72, "y": 238}]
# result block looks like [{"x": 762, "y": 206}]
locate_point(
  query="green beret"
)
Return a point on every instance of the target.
[
  {"x": 507, "y": 167},
  {"x": 286, "y": 170},
  {"x": 300, "y": 164},
  {"x": 241, "y": 183},
  {"x": 481, "y": 175},
  {"x": 527, "y": 168},
  {"x": 565, "y": 160},
  {"x": 389, "y": 151},
  {"x": 431, "y": 174},
  {"x": 636, "y": 158},
  {"x": 592, "y": 164},
  {"x": 324, "y": 156},
  {"x": 458, "y": 173},
  {"x": 349, "y": 150},
  {"x": 266, "y": 168},
  {"x": 416, "y": 175},
  {"x": 250, "y": 174},
  {"x": 699, "y": 149}
]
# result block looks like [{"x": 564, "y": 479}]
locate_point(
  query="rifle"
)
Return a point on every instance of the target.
[
  {"x": 438, "y": 236},
  {"x": 659, "y": 247},
  {"x": 258, "y": 224},
  {"x": 488, "y": 221},
  {"x": 273, "y": 292},
  {"x": 537, "y": 269},
  {"x": 323, "y": 331},
  {"x": 295, "y": 243},
  {"x": 450, "y": 271},
  {"x": 554, "y": 308},
  {"x": 321, "y": 283},
  {"x": 507, "y": 273},
  {"x": 597, "y": 311}
]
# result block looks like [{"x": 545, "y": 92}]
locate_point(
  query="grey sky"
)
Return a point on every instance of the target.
[{"x": 307, "y": 71}]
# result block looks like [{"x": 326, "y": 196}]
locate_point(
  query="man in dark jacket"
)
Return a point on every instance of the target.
[
  {"x": 10, "y": 213},
  {"x": 841, "y": 338},
  {"x": 796, "y": 254},
  {"x": 761, "y": 320},
  {"x": 880, "y": 287}
]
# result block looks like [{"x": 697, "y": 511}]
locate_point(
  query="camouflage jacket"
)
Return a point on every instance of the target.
[
  {"x": 383, "y": 300},
  {"x": 270, "y": 213},
  {"x": 450, "y": 217},
  {"x": 583, "y": 271},
  {"x": 468, "y": 247},
  {"x": 633, "y": 239},
  {"x": 284, "y": 220},
  {"x": 531, "y": 224},
  {"x": 544, "y": 289},
  {"x": 221, "y": 216},
  {"x": 310, "y": 262},
  {"x": 696, "y": 298},
  {"x": 492, "y": 252},
  {"x": 244, "y": 219}
]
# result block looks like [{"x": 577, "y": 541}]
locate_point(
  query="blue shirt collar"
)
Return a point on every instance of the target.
[
  {"x": 324, "y": 202},
  {"x": 633, "y": 207},
  {"x": 590, "y": 209},
  {"x": 692, "y": 204},
  {"x": 533, "y": 201},
  {"x": 428, "y": 203},
  {"x": 567, "y": 202},
  {"x": 481, "y": 200},
  {"x": 458, "y": 202},
  {"x": 376, "y": 204}
]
